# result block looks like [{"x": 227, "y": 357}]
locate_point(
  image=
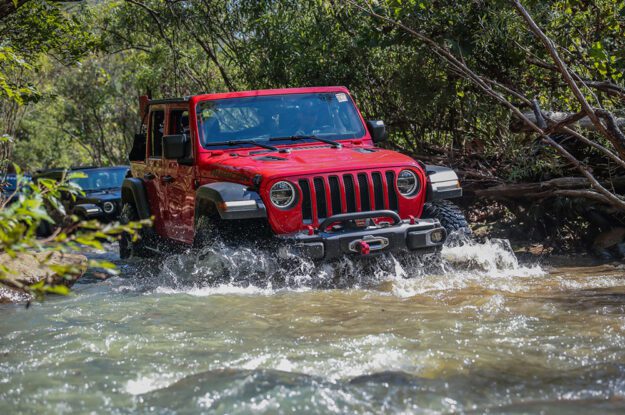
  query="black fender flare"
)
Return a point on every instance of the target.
[
  {"x": 230, "y": 200},
  {"x": 443, "y": 183},
  {"x": 133, "y": 191}
]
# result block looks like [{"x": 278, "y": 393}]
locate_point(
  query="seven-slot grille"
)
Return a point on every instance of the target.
[{"x": 324, "y": 196}]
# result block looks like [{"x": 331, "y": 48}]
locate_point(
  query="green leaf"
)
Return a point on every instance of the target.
[{"x": 57, "y": 289}]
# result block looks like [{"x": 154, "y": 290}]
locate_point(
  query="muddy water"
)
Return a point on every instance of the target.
[{"x": 476, "y": 333}]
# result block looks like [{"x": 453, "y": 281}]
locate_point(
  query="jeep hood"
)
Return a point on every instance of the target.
[{"x": 309, "y": 160}]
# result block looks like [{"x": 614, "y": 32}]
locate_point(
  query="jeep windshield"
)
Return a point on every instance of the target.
[
  {"x": 330, "y": 116},
  {"x": 100, "y": 179}
]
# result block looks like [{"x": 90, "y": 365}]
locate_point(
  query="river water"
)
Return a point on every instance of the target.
[{"x": 475, "y": 333}]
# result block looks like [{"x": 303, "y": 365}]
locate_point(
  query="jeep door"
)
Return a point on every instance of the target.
[
  {"x": 154, "y": 168},
  {"x": 179, "y": 178}
]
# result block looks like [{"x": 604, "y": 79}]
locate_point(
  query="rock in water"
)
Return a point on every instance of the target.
[
  {"x": 605, "y": 241},
  {"x": 28, "y": 270}
]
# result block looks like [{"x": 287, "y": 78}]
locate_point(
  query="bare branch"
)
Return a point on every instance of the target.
[
  {"x": 156, "y": 19},
  {"x": 613, "y": 127},
  {"x": 448, "y": 57},
  {"x": 604, "y": 86},
  {"x": 564, "y": 186},
  {"x": 568, "y": 78},
  {"x": 609, "y": 154},
  {"x": 207, "y": 48}
]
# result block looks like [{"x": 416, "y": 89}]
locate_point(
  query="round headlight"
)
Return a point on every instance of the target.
[
  {"x": 282, "y": 194},
  {"x": 407, "y": 182},
  {"x": 108, "y": 207}
]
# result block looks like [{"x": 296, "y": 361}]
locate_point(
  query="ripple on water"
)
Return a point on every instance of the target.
[
  {"x": 225, "y": 331},
  {"x": 271, "y": 391},
  {"x": 221, "y": 270}
]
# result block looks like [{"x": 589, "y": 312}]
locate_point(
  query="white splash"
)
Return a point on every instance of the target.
[
  {"x": 222, "y": 270},
  {"x": 224, "y": 289},
  {"x": 145, "y": 384},
  {"x": 491, "y": 264}
]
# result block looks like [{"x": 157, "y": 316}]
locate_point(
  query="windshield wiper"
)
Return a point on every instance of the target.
[
  {"x": 334, "y": 144},
  {"x": 232, "y": 143}
]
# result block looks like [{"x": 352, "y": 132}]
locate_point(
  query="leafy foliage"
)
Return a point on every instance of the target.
[
  {"x": 24, "y": 211},
  {"x": 80, "y": 68},
  {"x": 36, "y": 28},
  {"x": 172, "y": 48}
]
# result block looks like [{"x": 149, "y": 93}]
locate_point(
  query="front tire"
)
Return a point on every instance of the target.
[
  {"x": 206, "y": 231},
  {"x": 127, "y": 247},
  {"x": 451, "y": 218},
  {"x": 211, "y": 229}
]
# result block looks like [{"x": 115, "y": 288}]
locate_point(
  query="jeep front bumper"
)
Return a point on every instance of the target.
[{"x": 424, "y": 235}]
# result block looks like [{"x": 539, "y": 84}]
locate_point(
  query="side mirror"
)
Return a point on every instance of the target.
[
  {"x": 175, "y": 146},
  {"x": 137, "y": 153},
  {"x": 377, "y": 129}
]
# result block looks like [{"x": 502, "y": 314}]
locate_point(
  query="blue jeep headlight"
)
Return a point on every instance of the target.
[{"x": 108, "y": 207}]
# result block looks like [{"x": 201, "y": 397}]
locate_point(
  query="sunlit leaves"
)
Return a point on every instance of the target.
[
  {"x": 36, "y": 28},
  {"x": 592, "y": 35},
  {"x": 21, "y": 217}
]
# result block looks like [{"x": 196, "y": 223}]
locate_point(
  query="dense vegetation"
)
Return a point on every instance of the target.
[
  {"x": 70, "y": 74},
  {"x": 28, "y": 208}
]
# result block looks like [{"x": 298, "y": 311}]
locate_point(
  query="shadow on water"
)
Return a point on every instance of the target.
[
  {"x": 395, "y": 391},
  {"x": 599, "y": 300}
]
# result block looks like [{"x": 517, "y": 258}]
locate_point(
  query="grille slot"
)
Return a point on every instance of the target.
[
  {"x": 335, "y": 195},
  {"x": 350, "y": 194},
  {"x": 392, "y": 194},
  {"x": 320, "y": 191},
  {"x": 306, "y": 200},
  {"x": 363, "y": 183},
  {"x": 378, "y": 192}
]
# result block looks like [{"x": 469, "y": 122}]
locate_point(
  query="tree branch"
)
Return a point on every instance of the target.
[
  {"x": 448, "y": 57},
  {"x": 568, "y": 78},
  {"x": 207, "y": 48}
]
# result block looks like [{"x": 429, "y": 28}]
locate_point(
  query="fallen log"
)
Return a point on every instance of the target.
[
  {"x": 562, "y": 186},
  {"x": 519, "y": 126}
]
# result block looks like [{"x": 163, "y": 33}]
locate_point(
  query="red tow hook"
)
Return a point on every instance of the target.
[
  {"x": 363, "y": 247},
  {"x": 311, "y": 230},
  {"x": 412, "y": 219}
]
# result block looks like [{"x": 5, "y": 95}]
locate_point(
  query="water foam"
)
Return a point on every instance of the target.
[
  {"x": 490, "y": 264},
  {"x": 493, "y": 257},
  {"x": 225, "y": 270},
  {"x": 222, "y": 289},
  {"x": 145, "y": 384}
]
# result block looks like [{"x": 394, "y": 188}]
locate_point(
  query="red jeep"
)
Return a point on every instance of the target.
[{"x": 299, "y": 164}]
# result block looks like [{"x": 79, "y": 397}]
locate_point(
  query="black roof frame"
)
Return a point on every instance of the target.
[{"x": 169, "y": 101}]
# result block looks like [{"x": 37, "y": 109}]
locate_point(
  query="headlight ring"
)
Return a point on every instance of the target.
[
  {"x": 108, "y": 207},
  {"x": 283, "y": 195},
  {"x": 407, "y": 183}
]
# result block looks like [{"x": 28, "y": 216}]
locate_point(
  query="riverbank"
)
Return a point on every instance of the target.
[
  {"x": 32, "y": 268},
  {"x": 547, "y": 239}
]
